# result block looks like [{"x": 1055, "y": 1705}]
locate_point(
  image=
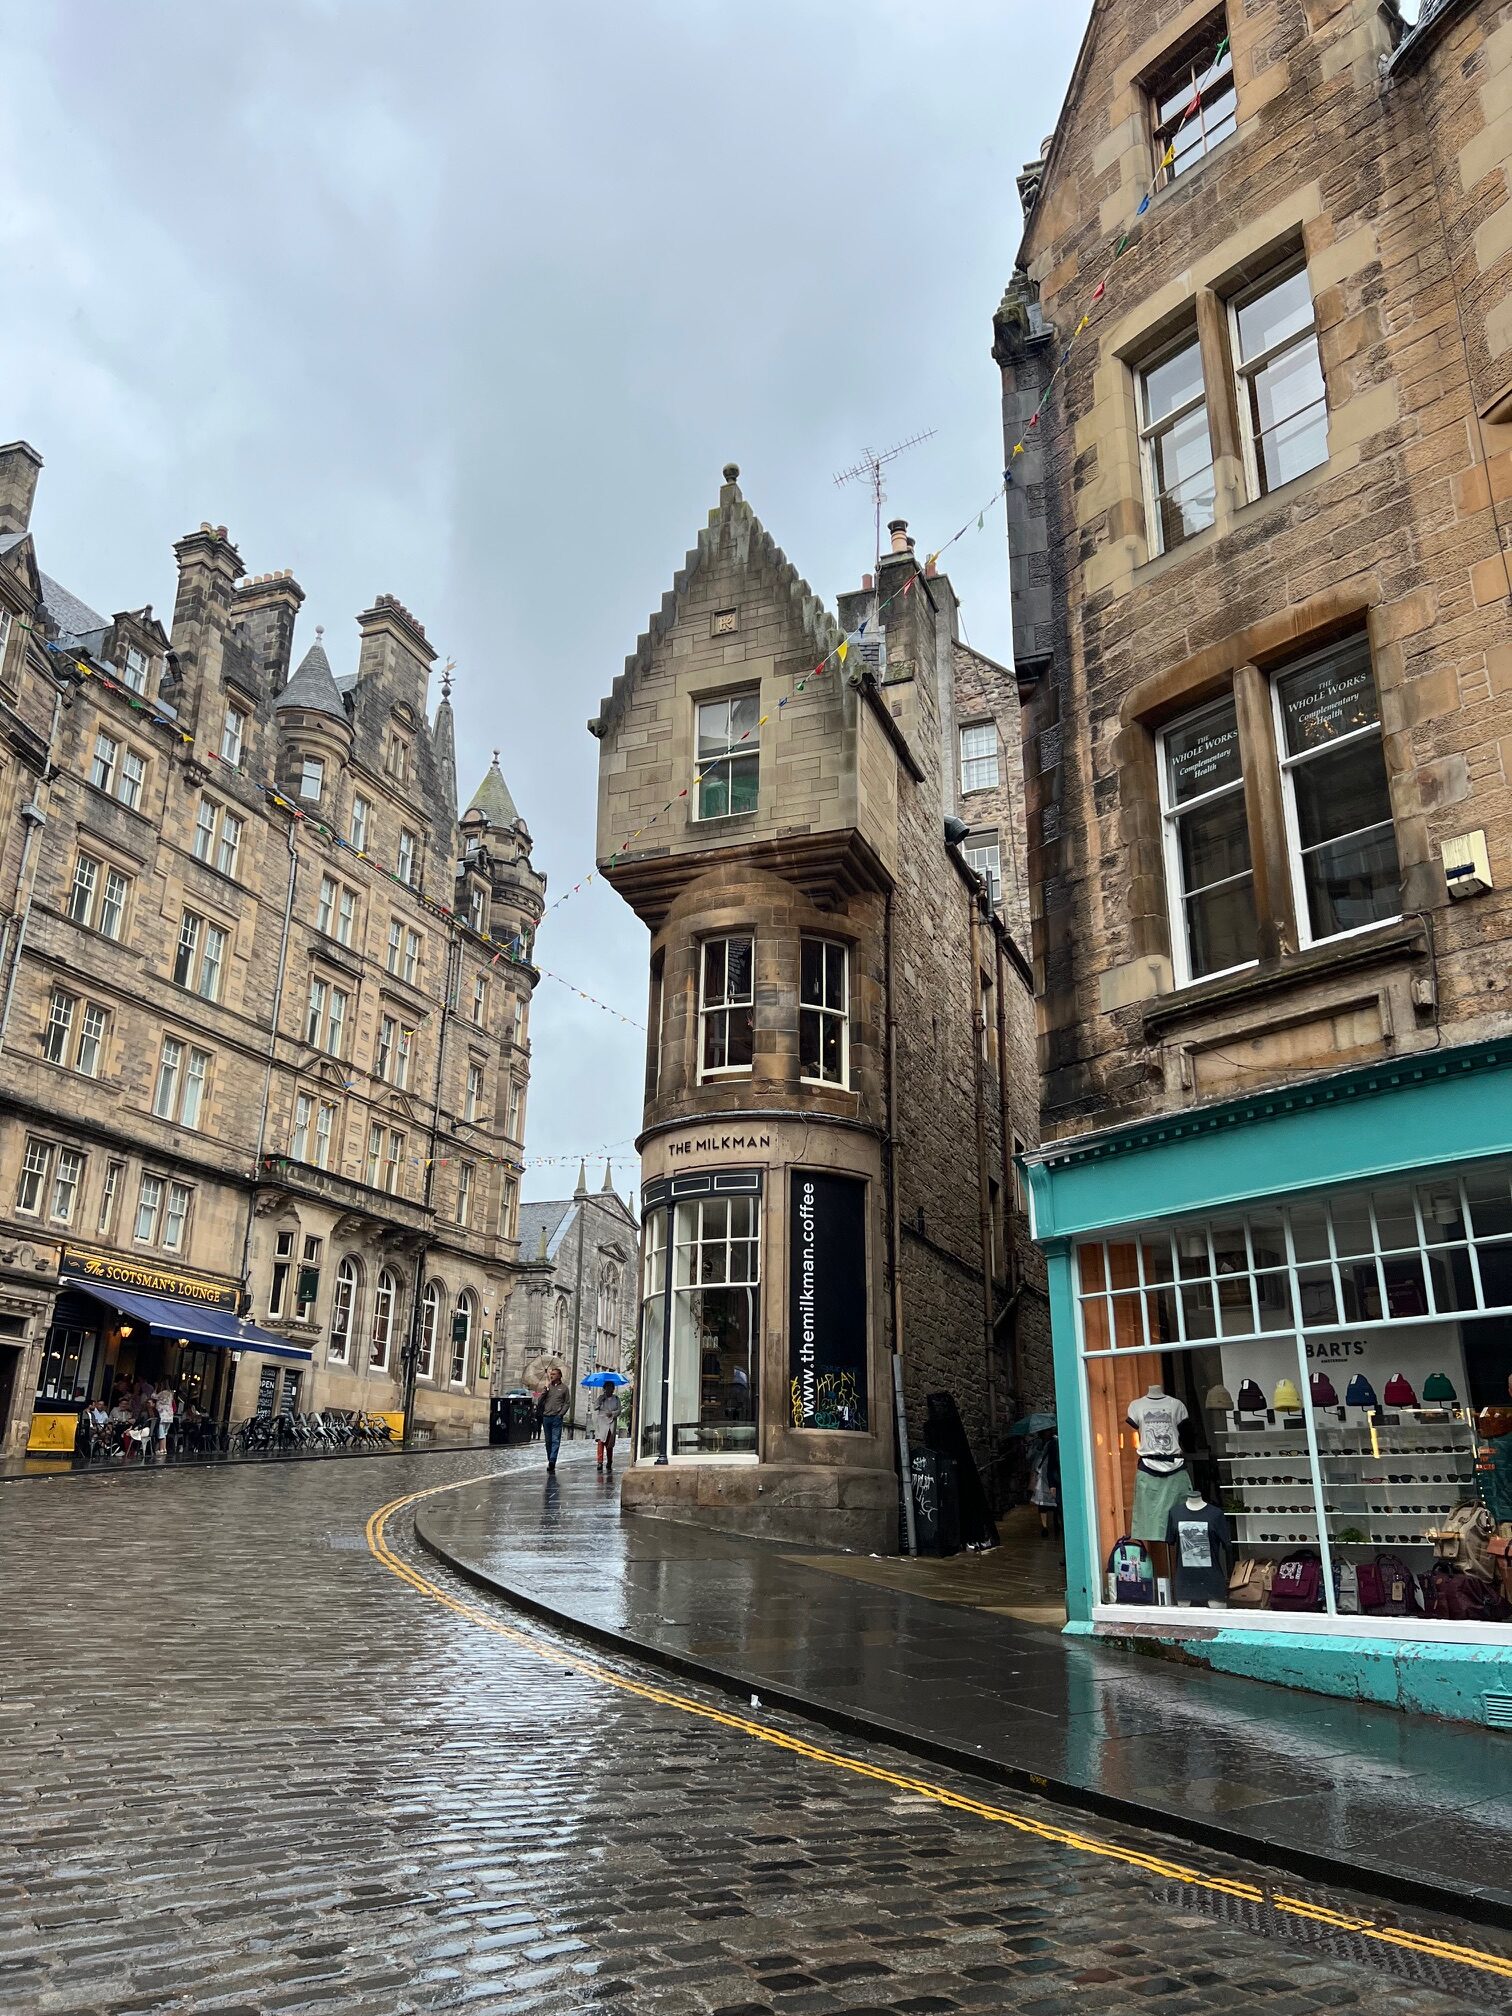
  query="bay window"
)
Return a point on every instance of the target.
[
  {"x": 726, "y": 1006},
  {"x": 708, "y": 1309}
]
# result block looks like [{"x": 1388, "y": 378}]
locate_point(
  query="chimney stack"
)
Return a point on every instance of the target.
[
  {"x": 263, "y": 608},
  {"x": 20, "y": 465},
  {"x": 208, "y": 569}
]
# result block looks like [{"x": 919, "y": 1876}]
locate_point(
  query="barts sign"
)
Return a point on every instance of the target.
[{"x": 827, "y": 1294}]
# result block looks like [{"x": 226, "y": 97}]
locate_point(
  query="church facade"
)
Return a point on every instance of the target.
[
  {"x": 266, "y": 997},
  {"x": 576, "y": 1307}
]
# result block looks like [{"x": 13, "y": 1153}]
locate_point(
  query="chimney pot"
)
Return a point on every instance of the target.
[
  {"x": 898, "y": 527},
  {"x": 867, "y": 583}
]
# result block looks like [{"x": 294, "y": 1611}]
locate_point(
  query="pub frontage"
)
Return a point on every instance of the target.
[{"x": 117, "y": 1325}]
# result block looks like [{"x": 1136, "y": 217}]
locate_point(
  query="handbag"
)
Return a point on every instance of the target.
[
  {"x": 1250, "y": 1584},
  {"x": 1499, "y": 1553}
]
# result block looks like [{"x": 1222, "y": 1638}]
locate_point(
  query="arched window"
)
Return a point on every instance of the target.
[
  {"x": 343, "y": 1312},
  {"x": 609, "y": 1298},
  {"x": 430, "y": 1328},
  {"x": 385, "y": 1309},
  {"x": 461, "y": 1342},
  {"x": 559, "y": 1338}
]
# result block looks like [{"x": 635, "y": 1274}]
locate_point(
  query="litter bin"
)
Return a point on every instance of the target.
[
  {"x": 521, "y": 1417},
  {"x": 498, "y": 1419},
  {"x": 937, "y": 1503}
]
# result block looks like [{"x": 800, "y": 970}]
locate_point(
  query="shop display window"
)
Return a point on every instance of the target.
[
  {"x": 701, "y": 1308},
  {"x": 1304, "y": 1407}
]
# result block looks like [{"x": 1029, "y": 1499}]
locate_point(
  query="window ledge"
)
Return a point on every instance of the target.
[
  {"x": 1407, "y": 938},
  {"x": 721, "y": 822}
]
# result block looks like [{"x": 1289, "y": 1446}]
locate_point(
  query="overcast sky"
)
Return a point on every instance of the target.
[{"x": 469, "y": 302}]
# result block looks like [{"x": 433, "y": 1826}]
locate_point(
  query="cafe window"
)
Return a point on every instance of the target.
[
  {"x": 652, "y": 1355},
  {"x": 728, "y": 755},
  {"x": 726, "y": 1006},
  {"x": 1192, "y": 100},
  {"x": 1283, "y": 1401},
  {"x": 430, "y": 1330},
  {"x": 1209, "y": 871},
  {"x": 67, "y": 1368},
  {"x": 1282, "y": 404},
  {"x": 824, "y": 1012},
  {"x": 343, "y": 1311},
  {"x": 716, "y": 1335},
  {"x": 1176, "y": 450},
  {"x": 1342, "y": 843}
]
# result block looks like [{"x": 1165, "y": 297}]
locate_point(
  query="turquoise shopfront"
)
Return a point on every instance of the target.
[{"x": 1283, "y": 1346}]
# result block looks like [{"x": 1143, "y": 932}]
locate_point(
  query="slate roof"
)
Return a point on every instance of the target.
[
  {"x": 554, "y": 1219},
  {"x": 731, "y": 519},
  {"x": 11, "y": 539},
  {"x": 74, "y": 618},
  {"x": 313, "y": 686},
  {"x": 492, "y": 799},
  {"x": 1421, "y": 32}
]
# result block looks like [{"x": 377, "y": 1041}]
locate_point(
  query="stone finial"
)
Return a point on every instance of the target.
[
  {"x": 446, "y": 678},
  {"x": 732, "y": 472},
  {"x": 319, "y": 632},
  {"x": 582, "y": 1182}
]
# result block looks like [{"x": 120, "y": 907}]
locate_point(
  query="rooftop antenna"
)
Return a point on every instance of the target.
[{"x": 870, "y": 466}]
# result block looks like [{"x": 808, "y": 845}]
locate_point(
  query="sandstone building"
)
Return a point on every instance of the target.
[
  {"x": 265, "y": 1006},
  {"x": 577, "y": 1307},
  {"x": 840, "y": 1053},
  {"x": 1257, "y": 380}
]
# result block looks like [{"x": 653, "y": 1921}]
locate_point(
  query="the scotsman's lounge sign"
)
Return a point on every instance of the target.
[
  {"x": 146, "y": 1280},
  {"x": 827, "y": 1319}
]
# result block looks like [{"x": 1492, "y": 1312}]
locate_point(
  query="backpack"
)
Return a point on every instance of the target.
[
  {"x": 1250, "y": 1584},
  {"x": 1452, "y": 1595},
  {"x": 1131, "y": 1572},
  {"x": 1387, "y": 1588},
  {"x": 1299, "y": 1582}
]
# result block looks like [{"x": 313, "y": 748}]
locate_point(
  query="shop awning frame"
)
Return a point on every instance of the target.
[{"x": 189, "y": 1322}]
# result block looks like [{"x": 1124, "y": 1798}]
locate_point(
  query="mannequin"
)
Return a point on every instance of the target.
[
  {"x": 1201, "y": 1550},
  {"x": 1161, "y": 1477}
]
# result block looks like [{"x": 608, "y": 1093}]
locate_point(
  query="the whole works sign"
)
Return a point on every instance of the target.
[{"x": 827, "y": 1316}]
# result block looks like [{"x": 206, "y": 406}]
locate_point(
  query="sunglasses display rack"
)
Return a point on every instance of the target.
[{"x": 1391, "y": 1478}]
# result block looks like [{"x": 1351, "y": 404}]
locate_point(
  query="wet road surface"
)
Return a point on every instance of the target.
[{"x": 249, "y": 1767}]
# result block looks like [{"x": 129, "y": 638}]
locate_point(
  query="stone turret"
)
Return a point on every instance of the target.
[
  {"x": 496, "y": 846},
  {"x": 314, "y": 733}
]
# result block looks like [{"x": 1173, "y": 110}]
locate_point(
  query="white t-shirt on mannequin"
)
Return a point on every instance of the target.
[{"x": 1158, "y": 1418}]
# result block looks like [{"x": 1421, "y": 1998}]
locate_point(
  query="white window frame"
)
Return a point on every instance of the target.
[
  {"x": 233, "y": 734},
  {"x": 829, "y": 948},
  {"x": 132, "y": 781},
  {"x": 1214, "y": 78},
  {"x": 465, "y": 1174},
  {"x": 1150, "y": 432},
  {"x": 480, "y": 1001},
  {"x": 67, "y": 1185},
  {"x": 745, "y": 750},
  {"x": 385, "y": 1315},
  {"x": 978, "y": 760},
  {"x": 149, "y": 1209},
  {"x": 206, "y": 821},
  {"x": 304, "y": 1117},
  {"x": 985, "y": 857},
  {"x": 94, "y": 1029},
  {"x": 727, "y": 1006},
  {"x": 177, "y": 1206},
  {"x": 345, "y": 1301},
  {"x": 106, "y": 893},
  {"x": 410, "y": 967},
  {"x": 34, "y": 1177},
  {"x": 1247, "y": 368},
  {"x": 430, "y": 1324},
  {"x": 405, "y": 858},
  {"x": 110, "y": 1197},
  {"x": 327, "y": 1113},
  {"x": 395, "y": 945},
  {"x": 228, "y": 852},
  {"x": 1170, "y": 819},
  {"x": 509, "y": 1200},
  {"x": 312, "y": 771},
  {"x": 346, "y": 915},
  {"x": 57, "y": 1031},
  {"x": 472, "y": 1096},
  {"x": 136, "y": 668},
  {"x": 373, "y": 1162},
  {"x": 102, "y": 768},
  {"x": 1289, "y": 767},
  {"x": 357, "y": 829},
  {"x": 325, "y": 907},
  {"x": 201, "y": 952},
  {"x": 461, "y": 1353}
]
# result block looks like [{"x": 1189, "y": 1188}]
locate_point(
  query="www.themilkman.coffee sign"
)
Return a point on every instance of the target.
[{"x": 827, "y": 1317}]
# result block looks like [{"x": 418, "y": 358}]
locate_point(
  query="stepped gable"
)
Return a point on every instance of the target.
[{"x": 732, "y": 522}]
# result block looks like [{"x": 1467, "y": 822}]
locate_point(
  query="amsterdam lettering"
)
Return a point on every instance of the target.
[{"x": 713, "y": 1144}]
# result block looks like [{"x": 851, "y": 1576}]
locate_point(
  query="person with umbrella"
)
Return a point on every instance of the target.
[{"x": 606, "y": 1413}]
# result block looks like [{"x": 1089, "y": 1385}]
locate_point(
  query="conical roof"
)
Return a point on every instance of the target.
[
  {"x": 313, "y": 686},
  {"x": 492, "y": 798}
]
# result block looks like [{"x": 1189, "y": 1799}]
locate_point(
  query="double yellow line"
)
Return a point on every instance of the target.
[{"x": 922, "y": 1788}]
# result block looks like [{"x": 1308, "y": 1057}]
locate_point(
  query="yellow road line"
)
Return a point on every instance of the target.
[{"x": 922, "y": 1788}]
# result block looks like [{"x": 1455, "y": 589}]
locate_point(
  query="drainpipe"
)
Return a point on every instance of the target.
[
  {"x": 1005, "y": 1121},
  {"x": 34, "y": 819},
  {"x": 984, "y": 1194},
  {"x": 894, "y": 1236}
]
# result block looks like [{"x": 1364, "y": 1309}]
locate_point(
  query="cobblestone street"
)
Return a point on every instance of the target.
[{"x": 249, "y": 1770}]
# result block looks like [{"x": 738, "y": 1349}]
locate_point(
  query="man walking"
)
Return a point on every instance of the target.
[{"x": 555, "y": 1402}]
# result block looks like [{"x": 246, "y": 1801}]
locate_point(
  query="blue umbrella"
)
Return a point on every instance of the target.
[
  {"x": 1032, "y": 1424},
  {"x": 606, "y": 1379}
]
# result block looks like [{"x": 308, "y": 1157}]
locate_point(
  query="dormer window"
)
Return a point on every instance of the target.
[
  {"x": 1192, "y": 99},
  {"x": 135, "y": 668}
]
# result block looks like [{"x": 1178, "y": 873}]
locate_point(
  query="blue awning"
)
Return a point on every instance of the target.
[{"x": 189, "y": 1322}]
